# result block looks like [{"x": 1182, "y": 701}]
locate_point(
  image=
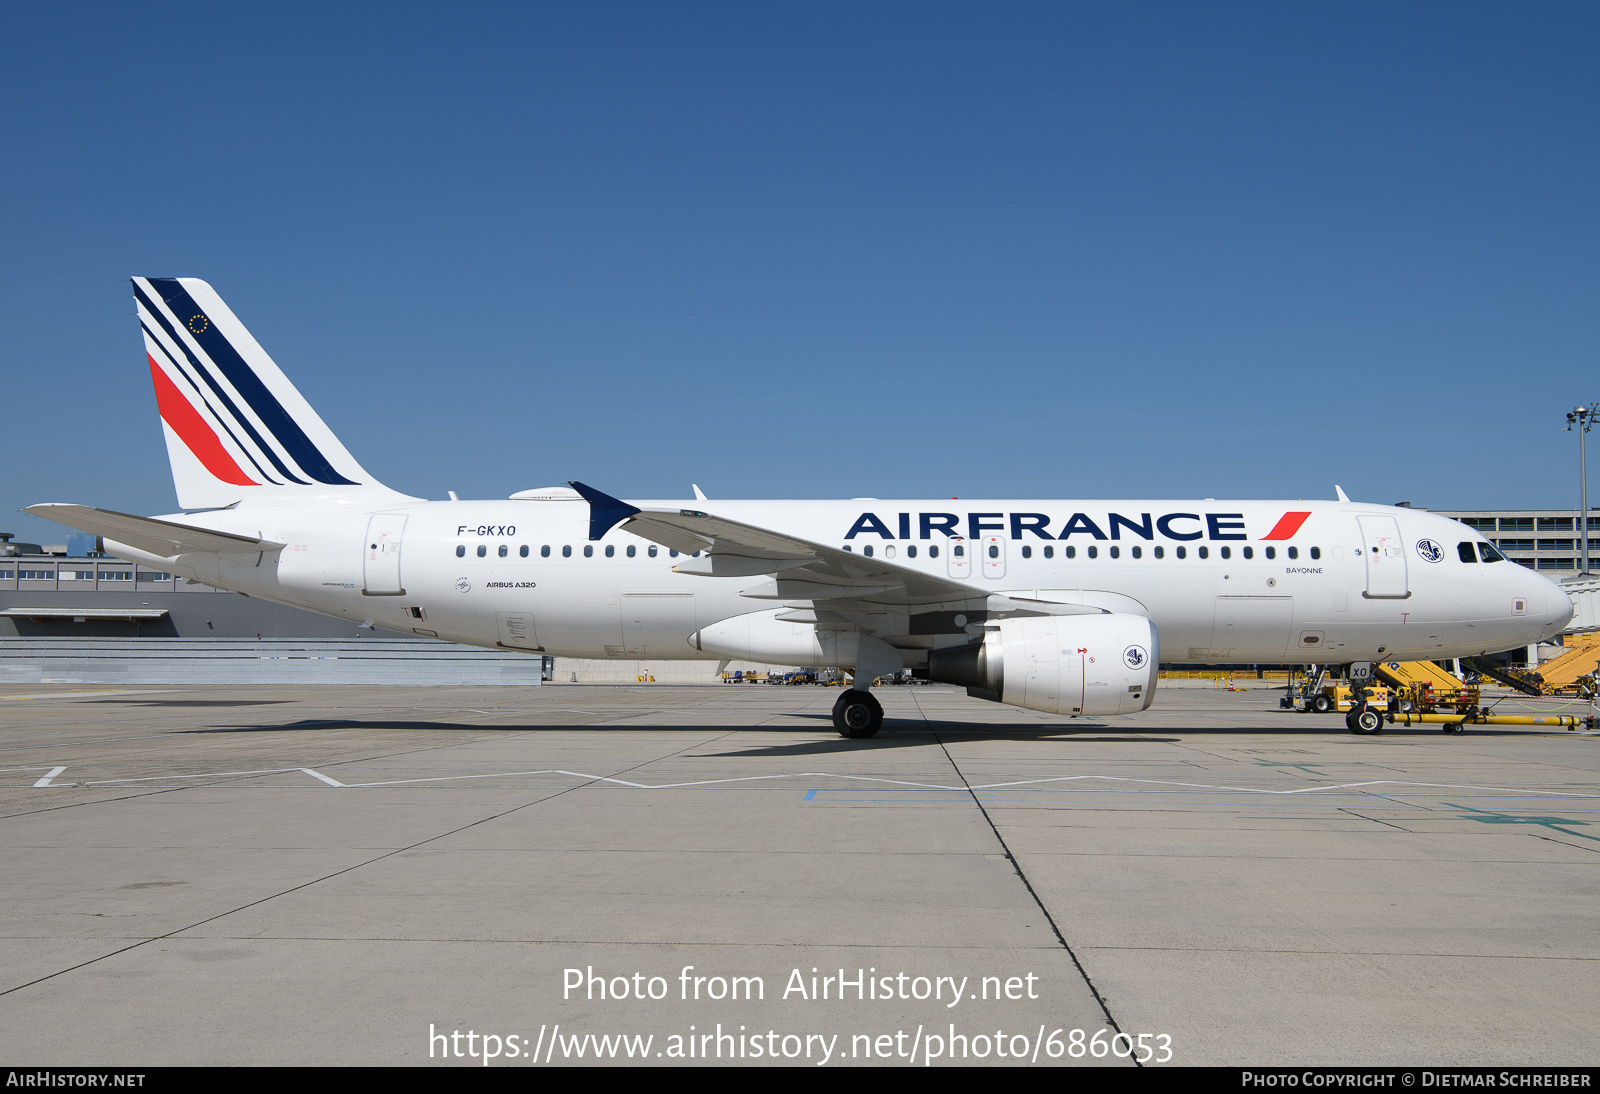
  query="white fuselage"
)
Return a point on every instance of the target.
[{"x": 1351, "y": 582}]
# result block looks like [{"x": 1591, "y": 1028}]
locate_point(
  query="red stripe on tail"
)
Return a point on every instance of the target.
[
  {"x": 1287, "y": 526},
  {"x": 192, "y": 429}
]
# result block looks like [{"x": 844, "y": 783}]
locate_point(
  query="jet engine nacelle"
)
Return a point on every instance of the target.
[{"x": 1062, "y": 664}]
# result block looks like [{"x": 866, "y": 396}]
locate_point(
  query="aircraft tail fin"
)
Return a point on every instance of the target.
[{"x": 235, "y": 426}]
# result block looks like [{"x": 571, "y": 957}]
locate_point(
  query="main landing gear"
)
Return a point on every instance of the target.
[{"x": 857, "y": 714}]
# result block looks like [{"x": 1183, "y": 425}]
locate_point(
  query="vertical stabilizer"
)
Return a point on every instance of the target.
[{"x": 234, "y": 424}]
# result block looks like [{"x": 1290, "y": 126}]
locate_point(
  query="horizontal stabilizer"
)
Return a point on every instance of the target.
[{"x": 158, "y": 537}]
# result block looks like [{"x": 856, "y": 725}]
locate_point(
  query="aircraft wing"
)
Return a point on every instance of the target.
[
  {"x": 801, "y": 569},
  {"x": 159, "y": 537}
]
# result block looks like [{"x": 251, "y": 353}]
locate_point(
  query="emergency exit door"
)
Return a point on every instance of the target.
[
  {"x": 994, "y": 556},
  {"x": 381, "y": 571},
  {"x": 957, "y": 559}
]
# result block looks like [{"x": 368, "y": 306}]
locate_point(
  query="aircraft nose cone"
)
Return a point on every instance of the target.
[{"x": 1558, "y": 607}]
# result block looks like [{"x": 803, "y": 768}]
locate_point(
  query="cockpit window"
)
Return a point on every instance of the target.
[
  {"x": 1489, "y": 553},
  {"x": 1464, "y": 549}
]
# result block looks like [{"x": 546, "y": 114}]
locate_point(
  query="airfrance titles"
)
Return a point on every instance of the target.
[{"x": 1180, "y": 527}]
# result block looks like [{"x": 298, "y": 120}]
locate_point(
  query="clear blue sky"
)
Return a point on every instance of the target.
[{"x": 822, "y": 250}]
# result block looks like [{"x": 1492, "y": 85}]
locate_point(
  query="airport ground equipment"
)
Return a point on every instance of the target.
[
  {"x": 1426, "y": 694},
  {"x": 1320, "y": 691},
  {"x": 1305, "y": 691},
  {"x": 1477, "y": 716},
  {"x": 1529, "y": 683},
  {"x": 1573, "y": 672},
  {"x": 1423, "y": 687},
  {"x": 1416, "y": 693}
]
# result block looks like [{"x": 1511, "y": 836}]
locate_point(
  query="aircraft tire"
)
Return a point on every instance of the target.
[
  {"x": 1321, "y": 704},
  {"x": 1365, "y": 720},
  {"x": 856, "y": 714}
]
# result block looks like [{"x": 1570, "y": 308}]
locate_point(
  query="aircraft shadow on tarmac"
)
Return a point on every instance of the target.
[
  {"x": 193, "y": 702},
  {"x": 896, "y": 733}
]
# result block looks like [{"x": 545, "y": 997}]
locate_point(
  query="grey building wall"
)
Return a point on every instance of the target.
[
  {"x": 193, "y": 610},
  {"x": 1547, "y": 540}
]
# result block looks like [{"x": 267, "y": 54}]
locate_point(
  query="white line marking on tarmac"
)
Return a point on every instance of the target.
[
  {"x": 203, "y": 775},
  {"x": 54, "y": 771},
  {"x": 854, "y": 778}
]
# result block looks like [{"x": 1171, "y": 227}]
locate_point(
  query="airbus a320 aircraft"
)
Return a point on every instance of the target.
[{"x": 1065, "y": 607}]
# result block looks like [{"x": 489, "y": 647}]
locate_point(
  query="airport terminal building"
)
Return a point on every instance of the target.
[{"x": 1541, "y": 539}]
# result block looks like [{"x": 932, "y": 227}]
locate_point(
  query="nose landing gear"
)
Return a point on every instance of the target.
[{"x": 1363, "y": 719}]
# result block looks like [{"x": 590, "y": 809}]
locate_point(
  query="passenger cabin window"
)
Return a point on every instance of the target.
[
  {"x": 461, "y": 550},
  {"x": 1226, "y": 552},
  {"x": 1094, "y": 552},
  {"x": 1272, "y": 553},
  {"x": 483, "y": 550},
  {"x": 1205, "y": 552},
  {"x": 1161, "y": 552},
  {"x": 566, "y": 550},
  {"x": 522, "y": 551},
  {"x": 672, "y": 553},
  {"x": 588, "y": 550},
  {"x": 1183, "y": 552},
  {"x": 1049, "y": 552},
  {"x": 933, "y": 552},
  {"x": 544, "y": 552},
  {"x": 1294, "y": 552},
  {"x": 1069, "y": 551},
  {"x": 1116, "y": 552},
  {"x": 611, "y": 551},
  {"x": 505, "y": 549},
  {"x": 1249, "y": 553},
  {"x": 632, "y": 550},
  {"x": 1027, "y": 552},
  {"x": 1316, "y": 552},
  {"x": 867, "y": 550},
  {"x": 1138, "y": 552},
  {"x": 1490, "y": 554},
  {"x": 911, "y": 551},
  {"x": 651, "y": 550}
]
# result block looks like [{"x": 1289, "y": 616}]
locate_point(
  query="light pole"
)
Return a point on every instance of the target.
[{"x": 1583, "y": 418}]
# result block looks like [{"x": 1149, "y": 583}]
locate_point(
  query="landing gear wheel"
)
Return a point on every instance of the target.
[
  {"x": 857, "y": 714},
  {"x": 1364, "y": 720},
  {"x": 1321, "y": 704}
]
